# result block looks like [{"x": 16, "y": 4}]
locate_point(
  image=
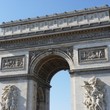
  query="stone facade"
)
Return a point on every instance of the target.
[{"x": 31, "y": 53}]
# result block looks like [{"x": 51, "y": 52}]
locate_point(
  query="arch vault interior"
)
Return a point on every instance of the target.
[{"x": 50, "y": 65}]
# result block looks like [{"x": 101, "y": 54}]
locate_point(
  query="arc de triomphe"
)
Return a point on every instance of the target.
[{"x": 34, "y": 49}]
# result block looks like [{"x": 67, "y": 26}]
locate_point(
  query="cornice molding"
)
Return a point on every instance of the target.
[
  {"x": 24, "y": 77},
  {"x": 90, "y": 70},
  {"x": 53, "y": 39},
  {"x": 65, "y": 30}
]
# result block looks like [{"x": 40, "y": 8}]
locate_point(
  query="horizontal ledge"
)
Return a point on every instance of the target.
[
  {"x": 56, "y": 31},
  {"x": 24, "y": 77},
  {"x": 86, "y": 70}
]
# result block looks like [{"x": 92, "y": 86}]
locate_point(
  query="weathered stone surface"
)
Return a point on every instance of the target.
[{"x": 31, "y": 54}]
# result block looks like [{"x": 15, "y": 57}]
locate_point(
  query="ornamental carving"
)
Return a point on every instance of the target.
[
  {"x": 92, "y": 54},
  {"x": 68, "y": 51},
  {"x": 94, "y": 94},
  {"x": 34, "y": 54},
  {"x": 14, "y": 62},
  {"x": 9, "y": 98},
  {"x": 56, "y": 40}
]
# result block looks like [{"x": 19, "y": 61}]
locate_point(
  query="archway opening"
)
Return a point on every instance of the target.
[
  {"x": 47, "y": 68},
  {"x": 60, "y": 92}
]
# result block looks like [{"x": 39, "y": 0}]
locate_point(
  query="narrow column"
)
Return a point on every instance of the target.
[
  {"x": 32, "y": 95},
  {"x": 47, "y": 99}
]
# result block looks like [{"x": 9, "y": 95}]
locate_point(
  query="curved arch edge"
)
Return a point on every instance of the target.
[{"x": 57, "y": 52}]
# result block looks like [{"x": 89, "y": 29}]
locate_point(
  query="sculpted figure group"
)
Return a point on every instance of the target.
[
  {"x": 9, "y": 98},
  {"x": 13, "y": 63},
  {"x": 95, "y": 94}
]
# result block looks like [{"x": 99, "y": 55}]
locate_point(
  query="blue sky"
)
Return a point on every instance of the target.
[
  {"x": 60, "y": 95},
  {"x": 22, "y": 9}
]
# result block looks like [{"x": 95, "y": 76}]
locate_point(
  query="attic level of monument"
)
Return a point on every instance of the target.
[
  {"x": 91, "y": 17},
  {"x": 55, "y": 40}
]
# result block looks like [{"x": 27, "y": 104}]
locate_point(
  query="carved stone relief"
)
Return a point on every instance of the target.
[
  {"x": 92, "y": 54},
  {"x": 68, "y": 51},
  {"x": 9, "y": 98},
  {"x": 58, "y": 39},
  {"x": 34, "y": 54},
  {"x": 94, "y": 94},
  {"x": 15, "y": 62}
]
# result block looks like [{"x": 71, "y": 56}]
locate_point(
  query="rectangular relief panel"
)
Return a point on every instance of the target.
[
  {"x": 93, "y": 54},
  {"x": 13, "y": 63}
]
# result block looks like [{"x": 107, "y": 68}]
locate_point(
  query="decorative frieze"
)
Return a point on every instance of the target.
[
  {"x": 56, "y": 23},
  {"x": 9, "y": 98},
  {"x": 91, "y": 55},
  {"x": 51, "y": 40},
  {"x": 95, "y": 91},
  {"x": 13, "y": 63}
]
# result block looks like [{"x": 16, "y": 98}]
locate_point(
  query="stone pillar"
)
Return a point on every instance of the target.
[
  {"x": 43, "y": 96},
  {"x": 21, "y": 92},
  {"x": 42, "y": 105},
  {"x": 78, "y": 81},
  {"x": 47, "y": 99},
  {"x": 32, "y": 95},
  {"x": 13, "y": 74},
  {"x": 76, "y": 92}
]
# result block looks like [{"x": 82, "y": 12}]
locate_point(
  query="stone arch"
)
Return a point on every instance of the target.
[{"x": 51, "y": 56}]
